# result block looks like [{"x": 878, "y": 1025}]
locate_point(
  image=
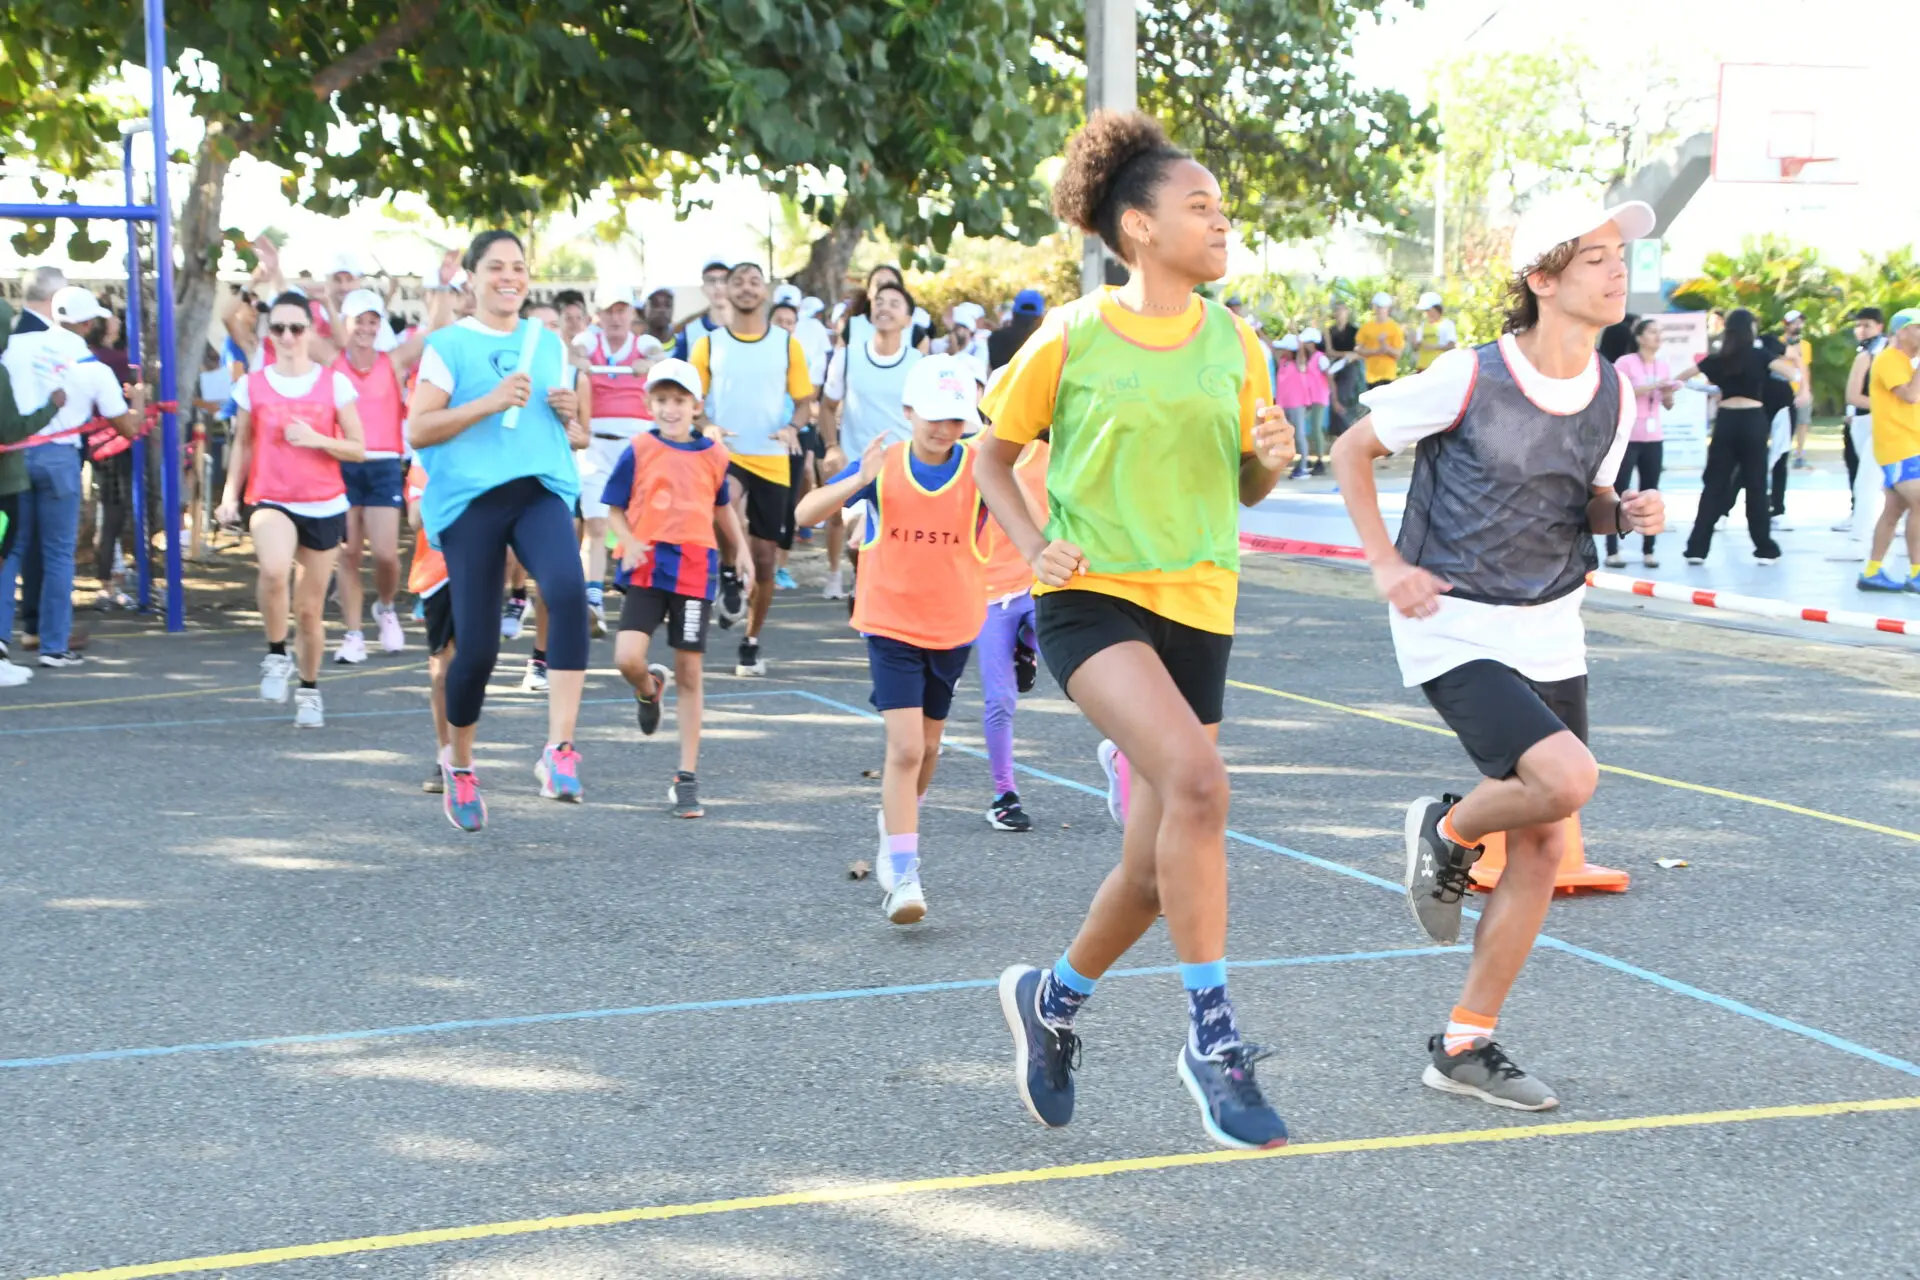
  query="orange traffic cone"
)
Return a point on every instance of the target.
[{"x": 1576, "y": 872}]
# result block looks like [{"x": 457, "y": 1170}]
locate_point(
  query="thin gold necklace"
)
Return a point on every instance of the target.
[{"x": 1148, "y": 308}]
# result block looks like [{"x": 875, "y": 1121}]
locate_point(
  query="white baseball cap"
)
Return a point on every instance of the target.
[
  {"x": 361, "y": 301},
  {"x": 788, "y": 294},
  {"x": 1288, "y": 342},
  {"x": 680, "y": 373},
  {"x": 1429, "y": 300},
  {"x": 1790, "y": 317},
  {"x": 613, "y": 295},
  {"x": 968, "y": 313},
  {"x": 1309, "y": 335},
  {"x": 810, "y": 307},
  {"x": 348, "y": 261},
  {"x": 941, "y": 389},
  {"x": 1382, "y": 299},
  {"x": 74, "y": 305},
  {"x": 1556, "y": 219}
]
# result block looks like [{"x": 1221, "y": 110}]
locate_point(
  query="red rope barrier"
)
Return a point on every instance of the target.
[{"x": 100, "y": 432}]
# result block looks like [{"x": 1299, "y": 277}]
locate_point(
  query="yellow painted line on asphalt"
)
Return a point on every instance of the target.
[
  {"x": 199, "y": 693},
  {"x": 973, "y": 1182},
  {"x": 1677, "y": 783}
]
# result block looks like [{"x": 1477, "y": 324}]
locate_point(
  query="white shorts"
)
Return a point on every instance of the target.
[{"x": 598, "y": 459}]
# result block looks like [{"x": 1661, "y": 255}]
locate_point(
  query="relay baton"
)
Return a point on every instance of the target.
[{"x": 530, "y": 331}]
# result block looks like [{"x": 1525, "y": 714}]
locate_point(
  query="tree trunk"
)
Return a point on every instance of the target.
[
  {"x": 198, "y": 239},
  {"x": 825, "y": 275}
]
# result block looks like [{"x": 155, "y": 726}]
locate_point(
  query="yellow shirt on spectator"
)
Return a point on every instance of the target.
[
  {"x": 1372, "y": 334},
  {"x": 1896, "y": 424}
]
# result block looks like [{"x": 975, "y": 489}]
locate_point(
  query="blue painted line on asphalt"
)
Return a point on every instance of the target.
[
  {"x": 280, "y": 717},
  {"x": 1620, "y": 966},
  {"x": 649, "y": 1010}
]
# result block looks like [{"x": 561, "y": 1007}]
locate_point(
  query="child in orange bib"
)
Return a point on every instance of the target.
[{"x": 921, "y": 601}]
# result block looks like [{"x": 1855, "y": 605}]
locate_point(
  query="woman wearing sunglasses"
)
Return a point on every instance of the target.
[
  {"x": 295, "y": 425},
  {"x": 495, "y": 421}
]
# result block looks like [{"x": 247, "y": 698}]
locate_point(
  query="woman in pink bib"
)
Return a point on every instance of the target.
[{"x": 296, "y": 424}]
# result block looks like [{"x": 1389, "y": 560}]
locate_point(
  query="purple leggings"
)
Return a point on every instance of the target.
[{"x": 1007, "y": 622}]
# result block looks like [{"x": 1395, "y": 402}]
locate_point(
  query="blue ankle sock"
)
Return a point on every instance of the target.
[
  {"x": 1210, "y": 1025},
  {"x": 595, "y": 595},
  {"x": 903, "y": 854},
  {"x": 1062, "y": 991}
]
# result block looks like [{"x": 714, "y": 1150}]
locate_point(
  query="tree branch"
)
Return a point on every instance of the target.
[{"x": 342, "y": 72}]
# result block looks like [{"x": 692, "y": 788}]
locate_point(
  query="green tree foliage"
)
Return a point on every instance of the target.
[{"x": 1265, "y": 96}]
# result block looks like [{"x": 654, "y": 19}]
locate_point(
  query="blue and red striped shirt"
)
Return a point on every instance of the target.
[{"x": 685, "y": 570}]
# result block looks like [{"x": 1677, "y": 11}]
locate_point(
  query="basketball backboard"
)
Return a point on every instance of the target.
[{"x": 1787, "y": 123}]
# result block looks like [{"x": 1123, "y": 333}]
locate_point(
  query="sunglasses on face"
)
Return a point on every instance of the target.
[{"x": 282, "y": 330}]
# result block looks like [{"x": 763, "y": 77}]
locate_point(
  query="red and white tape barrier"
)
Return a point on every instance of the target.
[
  {"x": 1758, "y": 606},
  {"x": 1295, "y": 547}
]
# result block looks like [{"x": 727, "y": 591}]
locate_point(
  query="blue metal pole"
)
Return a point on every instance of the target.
[
  {"x": 163, "y": 310},
  {"x": 47, "y": 212},
  {"x": 142, "y": 539}
]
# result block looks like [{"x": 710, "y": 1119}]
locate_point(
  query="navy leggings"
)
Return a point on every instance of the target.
[{"x": 538, "y": 525}]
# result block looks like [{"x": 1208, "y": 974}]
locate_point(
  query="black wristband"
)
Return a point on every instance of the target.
[{"x": 1620, "y": 518}]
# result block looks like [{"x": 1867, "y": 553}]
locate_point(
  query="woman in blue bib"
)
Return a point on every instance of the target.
[{"x": 495, "y": 421}]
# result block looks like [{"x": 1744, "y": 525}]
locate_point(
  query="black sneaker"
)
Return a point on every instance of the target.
[
  {"x": 1007, "y": 815},
  {"x": 684, "y": 795},
  {"x": 1232, "y": 1108},
  {"x": 1437, "y": 868},
  {"x": 750, "y": 664},
  {"x": 67, "y": 659},
  {"x": 1044, "y": 1057},
  {"x": 1026, "y": 667},
  {"x": 732, "y": 604},
  {"x": 1318, "y": 469},
  {"x": 649, "y": 708}
]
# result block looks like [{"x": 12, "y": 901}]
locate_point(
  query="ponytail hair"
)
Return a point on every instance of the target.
[{"x": 1115, "y": 163}]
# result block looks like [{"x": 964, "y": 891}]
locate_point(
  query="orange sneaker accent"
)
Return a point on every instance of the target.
[{"x": 1575, "y": 873}]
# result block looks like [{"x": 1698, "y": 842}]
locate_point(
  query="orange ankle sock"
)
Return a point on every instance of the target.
[
  {"x": 1464, "y": 1026},
  {"x": 1447, "y": 830}
]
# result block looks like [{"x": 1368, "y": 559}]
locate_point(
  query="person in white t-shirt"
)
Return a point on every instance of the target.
[
  {"x": 1517, "y": 446},
  {"x": 296, "y": 424}
]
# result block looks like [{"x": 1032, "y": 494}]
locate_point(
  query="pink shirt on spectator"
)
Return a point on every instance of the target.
[
  {"x": 1313, "y": 376},
  {"x": 1646, "y": 410},
  {"x": 1289, "y": 383}
]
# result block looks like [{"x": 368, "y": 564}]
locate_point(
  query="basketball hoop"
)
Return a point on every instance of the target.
[
  {"x": 1790, "y": 166},
  {"x": 1786, "y": 124}
]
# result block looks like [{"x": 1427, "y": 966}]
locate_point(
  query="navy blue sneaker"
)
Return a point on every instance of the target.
[
  {"x": 1232, "y": 1107},
  {"x": 1043, "y": 1058}
]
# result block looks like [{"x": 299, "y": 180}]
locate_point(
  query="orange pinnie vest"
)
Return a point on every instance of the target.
[
  {"x": 428, "y": 573},
  {"x": 381, "y": 409},
  {"x": 672, "y": 499},
  {"x": 923, "y": 572},
  {"x": 280, "y": 472},
  {"x": 1007, "y": 570}
]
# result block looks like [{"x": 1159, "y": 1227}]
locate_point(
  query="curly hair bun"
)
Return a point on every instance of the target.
[{"x": 1108, "y": 142}]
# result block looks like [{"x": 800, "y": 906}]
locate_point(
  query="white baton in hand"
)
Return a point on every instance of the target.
[{"x": 529, "y": 343}]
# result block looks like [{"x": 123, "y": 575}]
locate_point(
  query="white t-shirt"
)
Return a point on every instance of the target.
[
  {"x": 836, "y": 388},
  {"x": 37, "y": 362},
  {"x": 294, "y": 387},
  {"x": 1543, "y": 642},
  {"x": 91, "y": 390}
]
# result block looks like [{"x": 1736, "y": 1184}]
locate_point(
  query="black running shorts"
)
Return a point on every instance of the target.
[
  {"x": 1498, "y": 714},
  {"x": 1075, "y": 624}
]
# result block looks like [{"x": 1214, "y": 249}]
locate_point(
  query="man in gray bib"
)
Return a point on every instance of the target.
[{"x": 1517, "y": 445}]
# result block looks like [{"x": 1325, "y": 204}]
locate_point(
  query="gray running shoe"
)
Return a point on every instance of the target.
[
  {"x": 1437, "y": 869},
  {"x": 1485, "y": 1072}
]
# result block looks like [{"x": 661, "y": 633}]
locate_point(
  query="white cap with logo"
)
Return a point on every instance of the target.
[
  {"x": 942, "y": 389},
  {"x": 1551, "y": 222},
  {"x": 361, "y": 301},
  {"x": 74, "y": 305}
]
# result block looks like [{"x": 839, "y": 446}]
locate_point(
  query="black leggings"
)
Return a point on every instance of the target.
[
  {"x": 538, "y": 524},
  {"x": 1643, "y": 456},
  {"x": 1736, "y": 458}
]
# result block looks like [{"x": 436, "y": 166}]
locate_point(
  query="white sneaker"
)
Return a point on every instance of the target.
[
  {"x": 882, "y": 863},
  {"x": 12, "y": 676},
  {"x": 1616, "y": 562},
  {"x": 1845, "y": 526},
  {"x": 836, "y": 588},
  {"x": 907, "y": 903},
  {"x": 597, "y": 620},
  {"x": 352, "y": 650},
  {"x": 393, "y": 639},
  {"x": 275, "y": 670},
  {"x": 306, "y": 709}
]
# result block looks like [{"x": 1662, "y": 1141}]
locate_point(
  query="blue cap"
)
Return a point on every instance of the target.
[
  {"x": 1029, "y": 302},
  {"x": 1903, "y": 318}
]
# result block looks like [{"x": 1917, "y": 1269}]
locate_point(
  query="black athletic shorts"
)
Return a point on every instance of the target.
[
  {"x": 438, "y": 609},
  {"x": 316, "y": 533},
  {"x": 1075, "y": 624},
  {"x": 769, "y": 506},
  {"x": 1498, "y": 714},
  {"x": 645, "y": 608}
]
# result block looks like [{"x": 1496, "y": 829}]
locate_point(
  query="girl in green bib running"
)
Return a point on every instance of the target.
[{"x": 1157, "y": 402}]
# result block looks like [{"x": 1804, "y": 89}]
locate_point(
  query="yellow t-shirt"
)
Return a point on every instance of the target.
[
  {"x": 772, "y": 467},
  {"x": 1021, "y": 407},
  {"x": 1896, "y": 424},
  {"x": 1804, "y": 350},
  {"x": 1372, "y": 334}
]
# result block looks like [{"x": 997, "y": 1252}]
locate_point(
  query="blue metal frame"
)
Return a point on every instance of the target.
[{"x": 160, "y": 214}]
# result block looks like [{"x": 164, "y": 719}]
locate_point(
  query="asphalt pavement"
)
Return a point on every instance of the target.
[{"x": 265, "y": 1013}]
